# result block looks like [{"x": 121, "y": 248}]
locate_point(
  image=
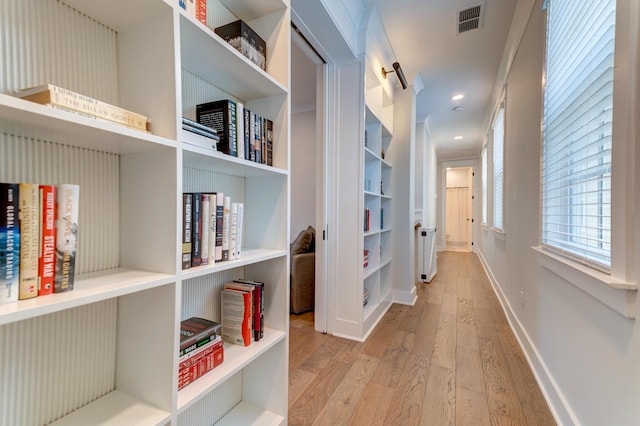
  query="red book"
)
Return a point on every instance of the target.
[
  {"x": 201, "y": 366},
  {"x": 258, "y": 308},
  {"x": 201, "y": 11},
  {"x": 47, "y": 253}
]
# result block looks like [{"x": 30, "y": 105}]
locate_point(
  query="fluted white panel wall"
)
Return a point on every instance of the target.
[
  {"x": 97, "y": 173},
  {"x": 211, "y": 408},
  {"x": 79, "y": 55},
  {"x": 53, "y": 364},
  {"x": 196, "y": 91},
  {"x": 200, "y": 296}
]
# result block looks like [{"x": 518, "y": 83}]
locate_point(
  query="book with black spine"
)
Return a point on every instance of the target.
[
  {"x": 247, "y": 133},
  {"x": 269, "y": 142},
  {"x": 219, "y": 224},
  {"x": 221, "y": 116},
  {"x": 226, "y": 228},
  {"x": 196, "y": 224},
  {"x": 240, "y": 130},
  {"x": 197, "y": 329}
]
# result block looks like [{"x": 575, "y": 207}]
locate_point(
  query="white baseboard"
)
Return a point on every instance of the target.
[
  {"x": 404, "y": 297},
  {"x": 558, "y": 404}
]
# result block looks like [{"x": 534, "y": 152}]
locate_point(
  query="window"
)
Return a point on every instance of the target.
[
  {"x": 498, "y": 168},
  {"x": 577, "y": 129},
  {"x": 484, "y": 185}
]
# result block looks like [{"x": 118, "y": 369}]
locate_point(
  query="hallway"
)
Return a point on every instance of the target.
[{"x": 449, "y": 360}]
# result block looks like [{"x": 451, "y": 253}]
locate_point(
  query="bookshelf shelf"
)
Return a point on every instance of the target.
[
  {"x": 31, "y": 120},
  {"x": 250, "y": 9},
  {"x": 115, "y": 409},
  {"x": 249, "y": 257},
  {"x": 152, "y": 58},
  {"x": 217, "y": 62},
  {"x": 249, "y": 414},
  {"x": 226, "y": 164},
  {"x": 88, "y": 288}
]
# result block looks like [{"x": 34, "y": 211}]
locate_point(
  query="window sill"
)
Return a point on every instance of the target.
[
  {"x": 621, "y": 296},
  {"x": 499, "y": 234}
]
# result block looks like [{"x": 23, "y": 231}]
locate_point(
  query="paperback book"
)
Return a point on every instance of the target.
[
  {"x": 9, "y": 242},
  {"x": 47, "y": 246},
  {"x": 29, "y": 239},
  {"x": 66, "y": 236}
]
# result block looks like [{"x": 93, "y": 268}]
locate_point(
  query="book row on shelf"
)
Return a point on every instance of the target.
[
  {"x": 242, "y": 132},
  {"x": 211, "y": 228},
  {"x": 367, "y": 219},
  {"x": 38, "y": 239},
  {"x": 202, "y": 340},
  {"x": 81, "y": 105}
]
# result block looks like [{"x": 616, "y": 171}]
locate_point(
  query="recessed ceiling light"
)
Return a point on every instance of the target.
[
  {"x": 457, "y": 97},
  {"x": 457, "y": 109},
  {"x": 457, "y": 138}
]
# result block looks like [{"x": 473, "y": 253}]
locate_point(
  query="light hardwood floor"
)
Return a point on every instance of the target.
[{"x": 449, "y": 360}]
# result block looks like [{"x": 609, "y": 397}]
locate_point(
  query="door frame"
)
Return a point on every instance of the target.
[{"x": 475, "y": 199}]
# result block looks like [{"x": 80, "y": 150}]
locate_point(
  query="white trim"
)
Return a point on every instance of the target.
[
  {"x": 405, "y": 297},
  {"x": 557, "y": 402},
  {"x": 619, "y": 295}
]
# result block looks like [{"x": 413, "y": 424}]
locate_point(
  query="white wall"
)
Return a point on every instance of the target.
[
  {"x": 429, "y": 176},
  {"x": 303, "y": 171},
  {"x": 586, "y": 355}
]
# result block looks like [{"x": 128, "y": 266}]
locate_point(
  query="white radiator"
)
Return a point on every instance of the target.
[{"x": 427, "y": 255}]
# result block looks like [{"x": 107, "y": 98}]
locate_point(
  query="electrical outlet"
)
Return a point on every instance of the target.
[{"x": 522, "y": 299}]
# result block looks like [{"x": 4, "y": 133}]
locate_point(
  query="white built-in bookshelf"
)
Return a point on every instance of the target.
[
  {"x": 107, "y": 352},
  {"x": 366, "y": 122},
  {"x": 377, "y": 195}
]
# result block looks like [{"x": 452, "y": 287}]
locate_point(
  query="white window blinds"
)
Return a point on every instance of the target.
[
  {"x": 498, "y": 168},
  {"x": 484, "y": 185},
  {"x": 577, "y": 128}
]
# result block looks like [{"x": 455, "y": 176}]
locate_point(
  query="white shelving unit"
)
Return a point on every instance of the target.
[
  {"x": 107, "y": 352},
  {"x": 365, "y": 131},
  {"x": 377, "y": 198}
]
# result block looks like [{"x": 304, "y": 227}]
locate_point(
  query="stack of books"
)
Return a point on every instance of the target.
[
  {"x": 201, "y": 349},
  {"x": 243, "y": 312},
  {"x": 365, "y": 261},
  {"x": 81, "y": 105},
  {"x": 365, "y": 297},
  {"x": 197, "y": 134}
]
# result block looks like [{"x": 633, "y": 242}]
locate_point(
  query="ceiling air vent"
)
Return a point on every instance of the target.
[{"x": 469, "y": 19}]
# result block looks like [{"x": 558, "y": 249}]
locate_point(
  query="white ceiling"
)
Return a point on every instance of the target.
[
  {"x": 424, "y": 38},
  {"x": 423, "y": 34}
]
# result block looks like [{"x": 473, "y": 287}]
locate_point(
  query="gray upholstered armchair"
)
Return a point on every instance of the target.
[{"x": 303, "y": 271}]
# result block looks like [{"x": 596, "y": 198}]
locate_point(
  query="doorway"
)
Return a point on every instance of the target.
[
  {"x": 459, "y": 209},
  {"x": 308, "y": 159}
]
